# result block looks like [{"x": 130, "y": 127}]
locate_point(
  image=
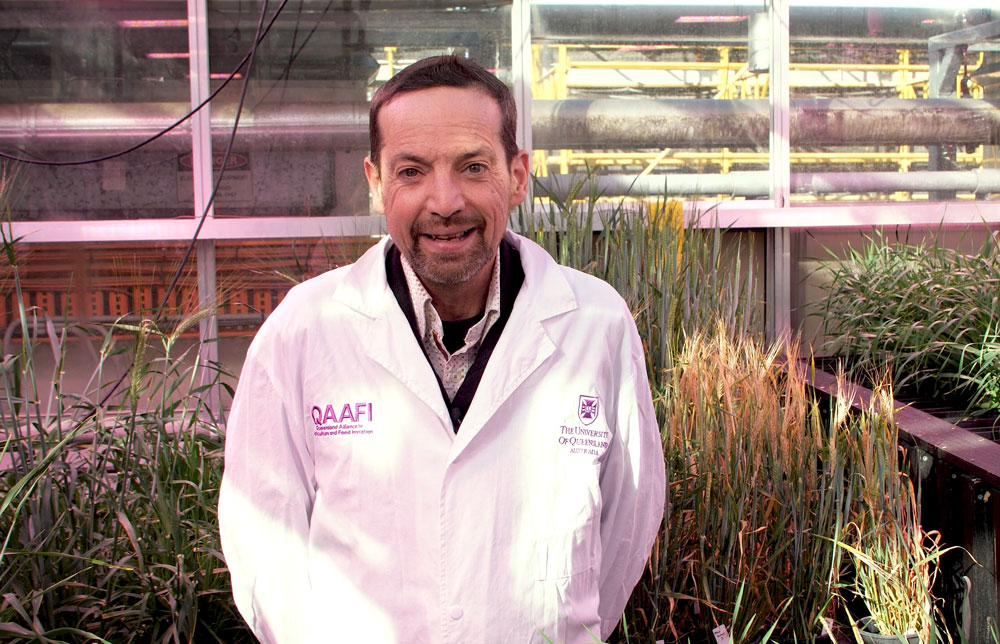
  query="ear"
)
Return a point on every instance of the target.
[
  {"x": 374, "y": 185},
  {"x": 520, "y": 174}
]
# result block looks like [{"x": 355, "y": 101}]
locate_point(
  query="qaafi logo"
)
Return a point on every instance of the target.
[
  {"x": 351, "y": 419},
  {"x": 588, "y": 410}
]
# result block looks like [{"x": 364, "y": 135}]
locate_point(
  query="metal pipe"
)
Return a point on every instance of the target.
[
  {"x": 756, "y": 183},
  {"x": 685, "y": 123},
  {"x": 743, "y": 184},
  {"x": 977, "y": 181},
  {"x": 76, "y": 127},
  {"x": 601, "y": 124}
]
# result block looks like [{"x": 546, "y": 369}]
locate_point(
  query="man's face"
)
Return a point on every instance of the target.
[{"x": 443, "y": 182}]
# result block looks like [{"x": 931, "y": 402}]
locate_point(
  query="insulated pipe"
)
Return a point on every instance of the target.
[
  {"x": 45, "y": 127},
  {"x": 598, "y": 124},
  {"x": 978, "y": 181},
  {"x": 739, "y": 184},
  {"x": 671, "y": 123},
  {"x": 756, "y": 183}
]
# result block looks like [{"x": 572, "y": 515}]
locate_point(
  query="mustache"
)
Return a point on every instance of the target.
[{"x": 436, "y": 222}]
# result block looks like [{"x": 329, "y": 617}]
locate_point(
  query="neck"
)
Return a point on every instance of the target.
[{"x": 461, "y": 301}]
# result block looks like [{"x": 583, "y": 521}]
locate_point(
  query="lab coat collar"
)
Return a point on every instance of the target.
[
  {"x": 365, "y": 290},
  {"x": 524, "y": 346}
]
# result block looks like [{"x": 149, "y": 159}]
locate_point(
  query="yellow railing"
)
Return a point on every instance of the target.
[{"x": 731, "y": 80}]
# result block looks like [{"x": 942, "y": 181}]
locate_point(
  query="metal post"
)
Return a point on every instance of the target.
[
  {"x": 946, "y": 52},
  {"x": 944, "y": 66},
  {"x": 521, "y": 69},
  {"x": 201, "y": 153},
  {"x": 778, "y": 255}
]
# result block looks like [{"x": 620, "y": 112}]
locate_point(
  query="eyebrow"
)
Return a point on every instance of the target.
[
  {"x": 404, "y": 158},
  {"x": 478, "y": 152},
  {"x": 407, "y": 157}
]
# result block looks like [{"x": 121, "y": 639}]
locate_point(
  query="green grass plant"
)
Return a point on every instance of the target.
[
  {"x": 108, "y": 494},
  {"x": 678, "y": 279},
  {"x": 926, "y": 313}
]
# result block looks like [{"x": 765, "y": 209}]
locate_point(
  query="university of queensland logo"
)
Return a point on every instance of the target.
[{"x": 588, "y": 410}]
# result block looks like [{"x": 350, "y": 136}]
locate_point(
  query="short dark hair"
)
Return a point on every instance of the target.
[{"x": 445, "y": 71}]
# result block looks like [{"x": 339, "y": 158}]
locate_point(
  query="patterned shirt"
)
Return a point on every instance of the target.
[{"x": 451, "y": 368}]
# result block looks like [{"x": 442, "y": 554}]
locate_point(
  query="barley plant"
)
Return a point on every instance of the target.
[
  {"x": 893, "y": 560},
  {"x": 107, "y": 494},
  {"x": 756, "y": 478},
  {"x": 753, "y": 474}
]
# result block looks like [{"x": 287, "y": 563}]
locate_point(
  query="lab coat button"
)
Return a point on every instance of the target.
[{"x": 456, "y": 612}]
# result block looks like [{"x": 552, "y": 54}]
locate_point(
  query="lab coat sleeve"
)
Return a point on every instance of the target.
[
  {"x": 265, "y": 504},
  {"x": 632, "y": 489}
]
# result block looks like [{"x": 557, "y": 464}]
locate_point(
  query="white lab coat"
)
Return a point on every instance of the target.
[{"x": 350, "y": 511}]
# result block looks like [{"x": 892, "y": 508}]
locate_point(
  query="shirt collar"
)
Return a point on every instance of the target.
[{"x": 429, "y": 324}]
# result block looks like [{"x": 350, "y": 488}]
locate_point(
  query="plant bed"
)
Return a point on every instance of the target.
[{"x": 952, "y": 409}]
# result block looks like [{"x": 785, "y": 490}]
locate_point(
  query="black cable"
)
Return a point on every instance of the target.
[
  {"x": 293, "y": 52},
  {"x": 248, "y": 60},
  {"x": 260, "y": 35},
  {"x": 296, "y": 52},
  {"x": 225, "y": 158}
]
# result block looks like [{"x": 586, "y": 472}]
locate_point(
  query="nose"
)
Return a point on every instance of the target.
[{"x": 445, "y": 197}]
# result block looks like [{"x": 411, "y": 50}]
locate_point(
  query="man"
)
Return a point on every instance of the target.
[{"x": 452, "y": 439}]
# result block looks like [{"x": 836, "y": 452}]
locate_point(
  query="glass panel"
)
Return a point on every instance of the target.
[
  {"x": 863, "y": 84},
  {"x": 81, "y": 81},
  {"x": 100, "y": 283},
  {"x": 304, "y": 126},
  {"x": 254, "y": 276},
  {"x": 669, "y": 91},
  {"x": 97, "y": 285}
]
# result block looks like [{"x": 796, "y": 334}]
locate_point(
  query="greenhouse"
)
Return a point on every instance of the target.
[{"x": 798, "y": 200}]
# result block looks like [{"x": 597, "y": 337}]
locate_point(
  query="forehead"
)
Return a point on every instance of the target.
[{"x": 440, "y": 114}]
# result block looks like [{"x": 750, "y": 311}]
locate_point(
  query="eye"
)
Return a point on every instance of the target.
[
  {"x": 408, "y": 173},
  {"x": 476, "y": 168}
]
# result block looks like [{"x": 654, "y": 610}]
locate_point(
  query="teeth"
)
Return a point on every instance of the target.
[{"x": 446, "y": 237}]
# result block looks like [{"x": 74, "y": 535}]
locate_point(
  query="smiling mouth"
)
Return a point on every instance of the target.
[{"x": 460, "y": 235}]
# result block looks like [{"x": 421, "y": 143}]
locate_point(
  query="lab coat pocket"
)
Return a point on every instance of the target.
[
  {"x": 564, "y": 555},
  {"x": 568, "y": 586}
]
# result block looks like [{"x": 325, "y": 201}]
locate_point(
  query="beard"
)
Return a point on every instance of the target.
[{"x": 451, "y": 268}]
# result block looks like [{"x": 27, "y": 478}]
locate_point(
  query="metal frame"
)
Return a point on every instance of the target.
[
  {"x": 521, "y": 59},
  {"x": 777, "y": 215},
  {"x": 778, "y": 258},
  {"x": 202, "y": 176},
  {"x": 729, "y": 214},
  {"x": 945, "y": 54}
]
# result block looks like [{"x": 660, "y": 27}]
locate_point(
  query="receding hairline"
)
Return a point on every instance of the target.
[
  {"x": 470, "y": 88},
  {"x": 446, "y": 71}
]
